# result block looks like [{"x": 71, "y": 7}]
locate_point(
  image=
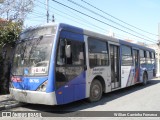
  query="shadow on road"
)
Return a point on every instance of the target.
[{"x": 83, "y": 104}]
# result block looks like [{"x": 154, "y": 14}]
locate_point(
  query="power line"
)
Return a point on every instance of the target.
[
  {"x": 118, "y": 19},
  {"x": 85, "y": 21},
  {"x": 99, "y": 20},
  {"x": 82, "y": 19},
  {"x": 107, "y": 18},
  {"x": 39, "y": 20},
  {"x": 89, "y": 24},
  {"x": 36, "y": 15},
  {"x": 36, "y": 12}
]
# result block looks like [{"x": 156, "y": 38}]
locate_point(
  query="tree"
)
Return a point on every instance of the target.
[
  {"x": 16, "y": 9},
  {"x": 13, "y": 13},
  {"x": 9, "y": 32}
]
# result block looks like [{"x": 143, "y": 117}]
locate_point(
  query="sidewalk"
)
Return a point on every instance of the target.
[{"x": 6, "y": 102}]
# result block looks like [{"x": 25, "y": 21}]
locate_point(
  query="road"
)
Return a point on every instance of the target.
[{"x": 134, "y": 98}]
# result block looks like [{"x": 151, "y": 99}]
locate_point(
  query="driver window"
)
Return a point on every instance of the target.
[
  {"x": 68, "y": 68},
  {"x": 77, "y": 53}
]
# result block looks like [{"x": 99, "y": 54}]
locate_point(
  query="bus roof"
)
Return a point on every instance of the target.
[
  {"x": 86, "y": 32},
  {"x": 101, "y": 36},
  {"x": 90, "y": 33}
]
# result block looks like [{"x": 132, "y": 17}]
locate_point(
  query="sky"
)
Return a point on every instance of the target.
[{"x": 143, "y": 14}]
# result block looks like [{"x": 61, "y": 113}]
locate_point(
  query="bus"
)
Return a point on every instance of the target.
[{"x": 57, "y": 63}]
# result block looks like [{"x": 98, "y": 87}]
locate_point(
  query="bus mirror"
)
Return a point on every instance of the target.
[{"x": 68, "y": 51}]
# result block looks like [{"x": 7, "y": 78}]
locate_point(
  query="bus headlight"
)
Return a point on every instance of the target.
[{"x": 42, "y": 87}]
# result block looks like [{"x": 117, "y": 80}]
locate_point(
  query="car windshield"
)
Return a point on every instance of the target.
[{"x": 32, "y": 56}]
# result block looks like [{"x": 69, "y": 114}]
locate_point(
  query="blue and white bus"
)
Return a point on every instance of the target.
[{"x": 57, "y": 64}]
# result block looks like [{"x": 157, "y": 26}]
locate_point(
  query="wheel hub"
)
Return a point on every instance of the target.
[{"x": 96, "y": 91}]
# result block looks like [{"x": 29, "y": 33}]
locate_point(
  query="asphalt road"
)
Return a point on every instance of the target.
[{"x": 134, "y": 98}]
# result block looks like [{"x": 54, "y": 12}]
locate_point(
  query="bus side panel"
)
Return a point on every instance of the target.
[
  {"x": 91, "y": 73},
  {"x": 149, "y": 73},
  {"x": 127, "y": 76},
  {"x": 74, "y": 90}
]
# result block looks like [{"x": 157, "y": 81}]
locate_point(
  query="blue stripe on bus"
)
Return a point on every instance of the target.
[{"x": 73, "y": 90}]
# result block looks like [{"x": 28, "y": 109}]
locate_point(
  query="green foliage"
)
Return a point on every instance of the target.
[{"x": 9, "y": 32}]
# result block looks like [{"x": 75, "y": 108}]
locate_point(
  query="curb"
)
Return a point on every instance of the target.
[
  {"x": 2, "y": 108},
  {"x": 10, "y": 106},
  {"x": 13, "y": 106},
  {"x": 6, "y": 102}
]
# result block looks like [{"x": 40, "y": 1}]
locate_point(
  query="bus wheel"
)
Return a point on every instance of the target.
[
  {"x": 145, "y": 78},
  {"x": 95, "y": 91}
]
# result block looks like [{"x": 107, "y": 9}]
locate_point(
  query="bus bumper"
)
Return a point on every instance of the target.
[{"x": 34, "y": 97}]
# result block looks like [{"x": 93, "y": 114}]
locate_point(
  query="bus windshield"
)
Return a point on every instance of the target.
[{"x": 32, "y": 56}]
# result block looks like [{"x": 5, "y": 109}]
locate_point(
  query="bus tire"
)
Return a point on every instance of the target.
[
  {"x": 145, "y": 78},
  {"x": 95, "y": 91}
]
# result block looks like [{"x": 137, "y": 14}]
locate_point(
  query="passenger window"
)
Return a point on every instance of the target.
[
  {"x": 77, "y": 53},
  {"x": 142, "y": 55},
  {"x": 153, "y": 55},
  {"x": 98, "y": 52},
  {"x": 150, "y": 54},
  {"x": 147, "y": 54},
  {"x": 126, "y": 56}
]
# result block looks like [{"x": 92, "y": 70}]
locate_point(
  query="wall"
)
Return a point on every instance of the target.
[{"x": 7, "y": 53}]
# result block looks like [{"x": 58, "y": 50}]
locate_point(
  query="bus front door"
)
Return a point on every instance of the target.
[
  {"x": 136, "y": 65},
  {"x": 70, "y": 69},
  {"x": 114, "y": 58}
]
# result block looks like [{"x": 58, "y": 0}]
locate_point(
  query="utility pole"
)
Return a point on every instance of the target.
[
  {"x": 159, "y": 32},
  {"x": 53, "y": 20},
  {"x": 47, "y": 7}
]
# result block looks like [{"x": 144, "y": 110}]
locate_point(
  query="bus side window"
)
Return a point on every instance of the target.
[
  {"x": 69, "y": 59},
  {"x": 142, "y": 58},
  {"x": 60, "y": 66},
  {"x": 77, "y": 53},
  {"x": 68, "y": 68},
  {"x": 60, "y": 54},
  {"x": 98, "y": 52},
  {"x": 127, "y": 59}
]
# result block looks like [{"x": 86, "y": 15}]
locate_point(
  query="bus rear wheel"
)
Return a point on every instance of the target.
[
  {"x": 145, "y": 78},
  {"x": 95, "y": 91}
]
